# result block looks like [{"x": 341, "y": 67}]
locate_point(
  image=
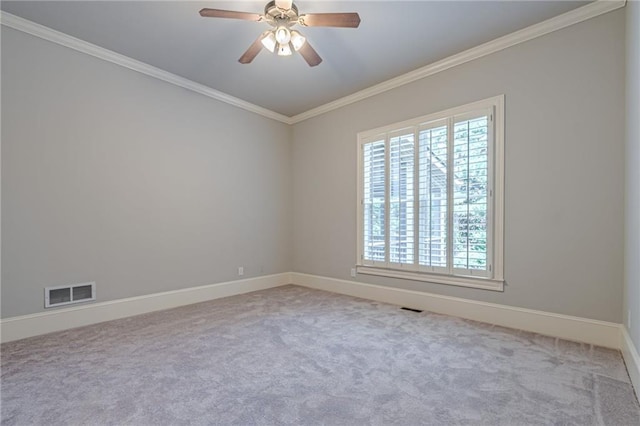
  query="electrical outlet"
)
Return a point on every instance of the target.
[
  {"x": 353, "y": 272},
  {"x": 240, "y": 270}
]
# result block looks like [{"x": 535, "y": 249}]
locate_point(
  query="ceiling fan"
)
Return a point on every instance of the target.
[{"x": 282, "y": 15}]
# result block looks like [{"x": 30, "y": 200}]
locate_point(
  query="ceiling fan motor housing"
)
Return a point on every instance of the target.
[{"x": 277, "y": 14}]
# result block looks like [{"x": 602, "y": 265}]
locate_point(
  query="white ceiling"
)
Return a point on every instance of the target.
[{"x": 395, "y": 37}]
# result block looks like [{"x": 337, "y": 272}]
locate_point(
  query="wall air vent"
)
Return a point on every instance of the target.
[{"x": 68, "y": 294}]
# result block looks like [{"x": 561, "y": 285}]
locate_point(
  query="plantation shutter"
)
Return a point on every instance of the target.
[
  {"x": 470, "y": 193},
  {"x": 433, "y": 200},
  {"x": 373, "y": 202},
  {"x": 427, "y": 210},
  {"x": 401, "y": 198}
]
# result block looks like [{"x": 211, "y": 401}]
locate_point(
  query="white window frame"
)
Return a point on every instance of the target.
[{"x": 492, "y": 279}]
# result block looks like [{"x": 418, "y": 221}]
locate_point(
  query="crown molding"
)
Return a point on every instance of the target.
[
  {"x": 66, "y": 40},
  {"x": 556, "y": 23},
  {"x": 591, "y": 10}
]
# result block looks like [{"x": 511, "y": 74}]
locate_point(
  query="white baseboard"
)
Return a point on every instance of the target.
[
  {"x": 600, "y": 333},
  {"x": 62, "y": 319},
  {"x": 631, "y": 358},
  {"x": 578, "y": 329}
]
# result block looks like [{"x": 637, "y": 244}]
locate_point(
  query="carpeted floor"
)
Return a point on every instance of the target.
[{"x": 292, "y": 355}]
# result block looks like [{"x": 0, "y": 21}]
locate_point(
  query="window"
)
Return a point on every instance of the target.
[{"x": 430, "y": 197}]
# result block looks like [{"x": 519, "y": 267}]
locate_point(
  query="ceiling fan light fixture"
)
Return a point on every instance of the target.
[
  {"x": 282, "y": 15},
  {"x": 284, "y": 50},
  {"x": 269, "y": 42},
  {"x": 283, "y": 35},
  {"x": 297, "y": 40}
]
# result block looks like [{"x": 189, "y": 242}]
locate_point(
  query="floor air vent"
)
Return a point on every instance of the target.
[
  {"x": 68, "y": 294},
  {"x": 412, "y": 310}
]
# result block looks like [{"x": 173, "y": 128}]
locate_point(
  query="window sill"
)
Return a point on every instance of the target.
[{"x": 473, "y": 282}]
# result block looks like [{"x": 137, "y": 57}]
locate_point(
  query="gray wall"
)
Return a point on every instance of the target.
[
  {"x": 116, "y": 177},
  {"x": 564, "y": 169},
  {"x": 632, "y": 206},
  {"x": 113, "y": 176}
]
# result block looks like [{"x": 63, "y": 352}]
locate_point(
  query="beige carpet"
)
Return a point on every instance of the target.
[{"x": 297, "y": 356}]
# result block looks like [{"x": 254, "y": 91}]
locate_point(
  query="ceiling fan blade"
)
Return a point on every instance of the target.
[
  {"x": 310, "y": 55},
  {"x": 252, "y": 51},
  {"x": 219, "y": 13},
  {"x": 345, "y": 20},
  {"x": 284, "y": 4}
]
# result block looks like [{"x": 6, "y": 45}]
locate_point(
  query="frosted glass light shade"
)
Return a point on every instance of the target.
[
  {"x": 284, "y": 50},
  {"x": 283, "y": 35},
  {"x": 284, "y": 4},
  {"x": 269, "y": 42},
  {"x": 297, "y": 40}
]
